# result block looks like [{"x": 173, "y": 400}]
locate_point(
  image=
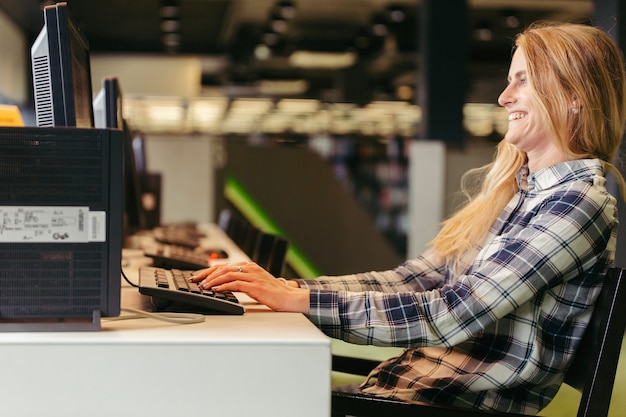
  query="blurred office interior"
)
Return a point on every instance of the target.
[
  {"x": 351, "y": 116},
  {"x": 397, "y": 97}
]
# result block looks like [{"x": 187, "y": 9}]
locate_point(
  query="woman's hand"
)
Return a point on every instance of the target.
[{"x": 251, "y": 279}]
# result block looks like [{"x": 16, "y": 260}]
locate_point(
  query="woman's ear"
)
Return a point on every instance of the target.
[{"x": 575, "y": 106}]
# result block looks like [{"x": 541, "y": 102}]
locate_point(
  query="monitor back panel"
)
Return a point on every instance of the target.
[{"x": 60, "y": 222}]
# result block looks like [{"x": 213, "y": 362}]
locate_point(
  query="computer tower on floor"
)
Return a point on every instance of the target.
[{"x": 60, "y": 228}]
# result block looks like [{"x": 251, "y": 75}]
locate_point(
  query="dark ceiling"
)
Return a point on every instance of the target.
[{"x": 384, "y": 33}]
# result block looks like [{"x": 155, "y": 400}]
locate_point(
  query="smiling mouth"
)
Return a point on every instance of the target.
[{"x": 516, "y": 116}]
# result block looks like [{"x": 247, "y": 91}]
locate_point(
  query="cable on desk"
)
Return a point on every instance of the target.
[
  {"x": 132, "y": 284},
  {"x": 177, "y": 318}
]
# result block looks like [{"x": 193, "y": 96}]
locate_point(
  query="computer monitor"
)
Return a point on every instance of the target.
[
  {"x": 150, "y": 183},
  {"x": 61, "y": 72},
  {"x": 108, "y": 113},
  {"x": 139, "y": 149},
  {"x": 134, "y": 216},
  {"x": 107, "y": 105}
]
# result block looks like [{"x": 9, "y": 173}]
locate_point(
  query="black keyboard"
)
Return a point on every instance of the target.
[
  {"x": 171, "y": 290},
  {"x": 180, "y": 257},
  {"x": 180, "y": 237}
]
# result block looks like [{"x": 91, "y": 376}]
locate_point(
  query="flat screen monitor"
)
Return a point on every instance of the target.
[
  {"x": 139, "y": 149},
  {"x": 108, "y": 114},
  {"x": 107, "y": 105},
  {"x": 134, "y": 216},
  {"x": 61, "y": 72}
]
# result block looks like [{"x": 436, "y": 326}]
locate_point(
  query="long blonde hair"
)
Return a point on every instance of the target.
[{"x": 564, "y": 61}]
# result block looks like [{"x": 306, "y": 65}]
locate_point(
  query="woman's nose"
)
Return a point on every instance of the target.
[{"x": 506, "y": 97}]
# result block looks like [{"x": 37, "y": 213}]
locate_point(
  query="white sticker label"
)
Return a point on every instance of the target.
[
  {"x": 51, "y": 224},
  {"x": 97, "y": 226}
]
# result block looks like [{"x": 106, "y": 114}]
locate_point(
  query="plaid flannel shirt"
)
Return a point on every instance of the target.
[{"x": 500, "y": 334}]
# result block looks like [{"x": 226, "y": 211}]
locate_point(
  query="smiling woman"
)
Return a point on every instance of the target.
[
  {"x": 543, "y": 84},
  {"x": 491, "y": 313},
  {"x": 528, "y": 128}
]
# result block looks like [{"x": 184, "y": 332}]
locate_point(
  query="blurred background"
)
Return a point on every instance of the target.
[{"x": 356, "y": 82}]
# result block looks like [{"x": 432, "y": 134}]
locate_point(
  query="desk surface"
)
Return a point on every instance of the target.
[{"x": 261, "y": 363}]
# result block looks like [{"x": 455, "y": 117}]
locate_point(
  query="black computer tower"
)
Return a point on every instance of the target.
[{"x": 61, "y": 224}]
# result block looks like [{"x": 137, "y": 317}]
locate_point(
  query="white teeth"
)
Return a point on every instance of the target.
[{"x": 516, "y": 116}]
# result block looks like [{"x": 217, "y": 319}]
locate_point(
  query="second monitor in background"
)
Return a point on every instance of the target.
[
  {"x": 107, "y": 105},
  {"x": 142, "y": 189},
  {"x": 108, "y": 113}
]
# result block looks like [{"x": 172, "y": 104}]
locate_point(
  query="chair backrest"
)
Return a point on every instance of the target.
[
  {"x": 250, "y": 236},
  {"x": 270, "y": 252},
  {"x": 266, "y": 249},
  {"x": 279, "y": 253},
  {"x": 594, "y": 366},
  {"x": 239, "y": 229}
]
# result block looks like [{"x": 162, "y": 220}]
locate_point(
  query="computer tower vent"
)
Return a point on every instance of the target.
[
  {"x": 50, "y": 280},
  {"x": 43, "y": 90},
  {"x": 51, "y": 170}
]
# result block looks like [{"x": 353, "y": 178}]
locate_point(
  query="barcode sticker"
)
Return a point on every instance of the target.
[
  {"x": 97, "y": 226},
  {"x": 51, "y": 224}
]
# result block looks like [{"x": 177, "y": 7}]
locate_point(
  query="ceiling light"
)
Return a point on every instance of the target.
[
  {"x": 405, "y": 92},
  {"x": 207, "y": 111},
  {"x": 262, "y": 52},
  {"x": 298, "y": 105},
  {"x": 396, "y": 14},
  {"x": 327, "y": 60},
  {"x": 253, "y": 106},
  {"x": 483, "y": 31},
  {"x": 170, "y": 25},
  {"x": 170, "y": 9},
  {"x": 286, "y": 9},
  {"x": 500, "y": 119},
  {"x": 270, "y": 38},
  {"x": 278, "y": 23},
  {"x": 165, "y": 115},
  {"x": 171, "y": 41},
  {"x": 478, "y": 118},
  {"x": 276, "y": 123},
  {"x": 511, "y": 18},
  {"x": 282, "y": 87},
  {"x": 379, "y": 26}
]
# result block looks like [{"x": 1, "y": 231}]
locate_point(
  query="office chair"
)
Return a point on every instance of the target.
[
  {"x": 592, "y": 371},
  {"x": 248, "y": 240},
  {"x": 266, "y": 249},
  {"x": 239, "y": 229},
  {"x": 270, "y": 252}
]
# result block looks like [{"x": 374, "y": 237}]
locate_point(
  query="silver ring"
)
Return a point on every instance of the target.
[{"x": 239, "y": 269}]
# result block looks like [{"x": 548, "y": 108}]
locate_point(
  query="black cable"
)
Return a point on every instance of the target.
[
  {"x": 128, "y": 280},
  {"x": 179, "y": 318}
]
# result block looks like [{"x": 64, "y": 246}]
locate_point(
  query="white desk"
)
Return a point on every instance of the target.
[{"x": 262, "y": 363}]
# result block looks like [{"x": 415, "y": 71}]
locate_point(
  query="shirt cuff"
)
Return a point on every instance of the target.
[{"x": 324, "y": 311}]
